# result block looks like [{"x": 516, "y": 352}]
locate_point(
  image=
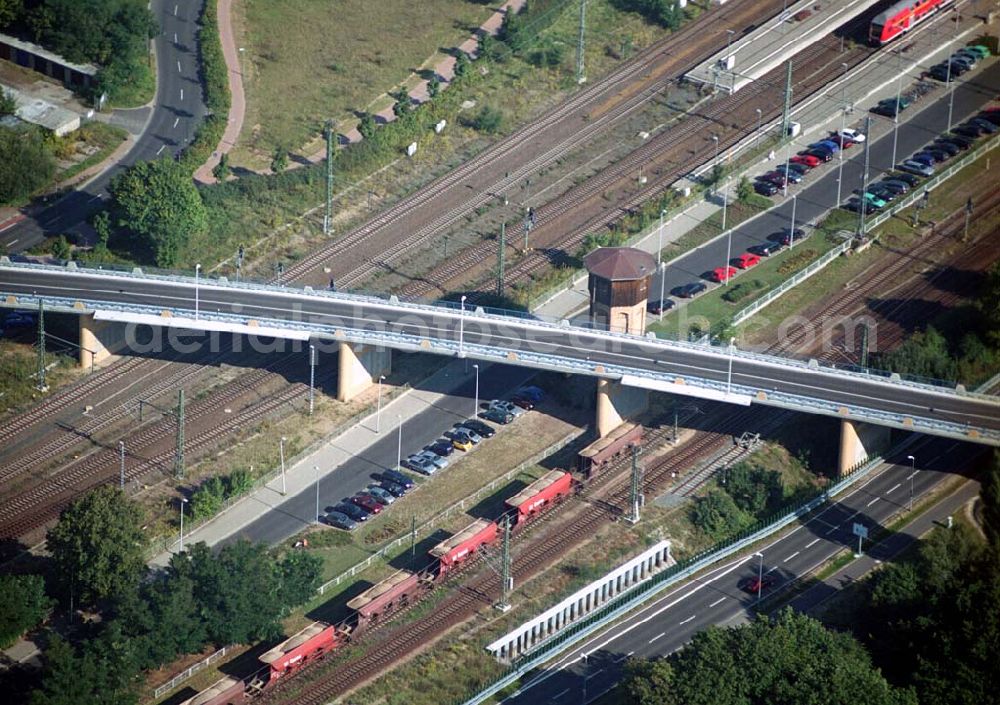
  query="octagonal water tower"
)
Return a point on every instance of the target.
[{"x": 619, "y": 288}]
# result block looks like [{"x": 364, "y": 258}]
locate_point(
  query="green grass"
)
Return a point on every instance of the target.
[
  {"x": 311, "y": 60},
  {"x": 18, "y": 370},
  {"x": 95, "y": 134}
]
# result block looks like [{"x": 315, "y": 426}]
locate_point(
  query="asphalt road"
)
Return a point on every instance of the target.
[
  {"x": 718, "y": 598},
  {"x": 178, "y": 109},
  {"x": 818, "y": 191},
  {"x": 297, "y": 512},
  {"x": 490, "y": 337}
]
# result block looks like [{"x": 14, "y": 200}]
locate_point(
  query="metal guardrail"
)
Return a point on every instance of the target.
[
  {"x": 458, "y": 506},
  {"x": 660, "y": 582},
  {"x": 190, "y": 671}
]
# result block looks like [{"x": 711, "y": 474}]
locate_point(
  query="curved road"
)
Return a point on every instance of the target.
[{"x": 177, "y": 110}]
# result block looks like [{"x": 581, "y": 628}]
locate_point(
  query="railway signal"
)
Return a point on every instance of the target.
[
  {"x": 41, "y": 347},
  {"x": 965, "y": 233},
  {"x": 636, "y": 491}
]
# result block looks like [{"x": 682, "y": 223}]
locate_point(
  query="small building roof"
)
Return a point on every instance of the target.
[
  {"x": 41, "y": 112},
  {"x": 86, "y": 69},
  {"x": 620, "y": 263}
]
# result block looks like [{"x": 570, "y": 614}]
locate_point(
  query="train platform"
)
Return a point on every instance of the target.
[{"x": 776, "y": 40}]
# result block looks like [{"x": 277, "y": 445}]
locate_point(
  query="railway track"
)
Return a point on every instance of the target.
[
  {"x": 664, "y": 158},
  {"x": 622, "y": 92}
]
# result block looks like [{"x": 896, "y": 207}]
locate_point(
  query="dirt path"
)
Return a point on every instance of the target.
[
  {"x": 237, "y": 103},
  {"x": 445, "y": 70}
]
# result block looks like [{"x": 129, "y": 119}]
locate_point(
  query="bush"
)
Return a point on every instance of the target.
[
  {"x": 488, "y": 120},
  {"x": 24, "y": 606},
  {"x": 215, "y": 79},
  {"x": 27, "y": 164},
  {"x": 738, "y": 292},
  {"x": 718, "y": 516},
  {"x": 7, "y": 103}
]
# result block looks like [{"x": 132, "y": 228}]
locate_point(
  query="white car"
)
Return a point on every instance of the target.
[
  {"x": 510, "y": 407},
  {"x": 852, "y": 135},
  {"x": 433, "y": 458}
]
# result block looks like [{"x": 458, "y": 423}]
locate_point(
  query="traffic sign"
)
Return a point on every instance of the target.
[{"x": 860, "y": 530}]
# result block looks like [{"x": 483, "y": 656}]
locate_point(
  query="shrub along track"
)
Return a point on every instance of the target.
[
  {"x": 413, "y": 222},
  {"x": 607, "y": 197}
]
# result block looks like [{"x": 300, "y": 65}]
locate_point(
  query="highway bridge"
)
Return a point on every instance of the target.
[{"x": 627, "y": 361}]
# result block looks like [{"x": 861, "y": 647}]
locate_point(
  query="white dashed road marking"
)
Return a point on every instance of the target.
[
  {"x": 791, "y": 556},
  {"x": 176, "y": 120},
  {"x": 721, "y": 599},
  {"x": 657, "y": 637},
  {"x": 812, "y": 543},
  {"x": 688, "y": 619},
  {"x": 873, "y": 501},
  {"x": 893, "y": 488}
]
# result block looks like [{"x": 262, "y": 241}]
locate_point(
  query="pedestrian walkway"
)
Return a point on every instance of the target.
[
  {"x": 844, "y": 103},
  {"x": 301, "y": 476}
]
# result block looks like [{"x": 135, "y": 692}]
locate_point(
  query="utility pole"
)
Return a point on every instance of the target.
[
  {"x": 41, "y": 347},
  {"x": 965, "y": 233},
  {"x": 121, "y": 455},
  {"x": 506, "y": 578},
  {"x": 787, "y": 113},
  {"x": 500, "y": 259},
  {"x": 328, "y": 217},
  {"x": 179, "y": 451},
  {"x": 636, "y": 493},
  {"x": 312, "y": 378},
  {"x": 864, "y": 182},
  {"x": 413, "y": 535},
  {"x": 580, "y": 76},
  {"x": 864, "y": 345}
]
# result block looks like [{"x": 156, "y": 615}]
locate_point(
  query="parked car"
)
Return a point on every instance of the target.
[
  {"x": 970, "y": 53},
  {"x": 917, "y": 168},
  {"x": 498, "y": 416},
  {"x": 20, "y": 319},
  {"x": 775, "y": 178},
  {"x": 873, "y": 199},
  {"x": 747, "y": 260},
  {"x": 906, "y": 179},
  {"x": 791, "y": 175},
  {"x": 419, "y": 463},
  {"x": 890, "y": 107},
  {"x": 842, "y": 142},
  {"x": 792, "y": 236},
  {"x": 806, "y": 160},
  {"x": 794, "y": 166},
  {"x": 826, "y": 144},
  {"x": 438, "y": 461},
  {"x": 884, "y": 194},
  {"x": 339, "y": 520},
  {"x": 462, "y": 442},
  {"x": 536, "y": 394},
  {"x": 924, "y": 158},
  {"x": 854, "y": 204},
  {"x": 524, "y": 402},
  {"x": 355, "y": 512},
  {"x": 823, "y": 155},
  {"x": 853, "y": 135},
  {"x": 399, "y": 478},
  {"x": 366, "y": 502},
  {"x": 461, "y": 429},
  {"x": 985, "y": 125},
  {"x": 992, "y": 115},
  {"x": 941, "y": 72},
  {"x": 475, "y": 426},
  {"x": 964, "y": 61},
  {"x": 381, "y": 495},
  {"x": 442, "y": 448},
  {"x": 962, "y": 141},
  {"x": 504, "y": 405},
  {"x": 765, "y": 188},
  {"x": 766, "y": 249},
  {"x": 757, "y": 584},
  {"x": 396, "y": 490},
  {"x": 968, "y": 130},
  {"x": 897, "y": 187},
  {"x": 721, "y": 274},
  {"x": 950, "y": 147},
  {"x": 689, "y": 291},
  {"x": 659, "y": 306},
  {"x": 980, "y": 49}
]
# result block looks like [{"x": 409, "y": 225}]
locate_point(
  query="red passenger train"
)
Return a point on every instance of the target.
[{"x": 901, "y": 17}]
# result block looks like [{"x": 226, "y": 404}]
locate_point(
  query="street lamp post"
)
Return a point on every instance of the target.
[
  {"x": 729, "y": 240},
  {"x": 843, "y": 120},
  {"x": 760, "y": 575},
  {"x": 732, "y": 352},
  {"x": 461, "y": 329},
  {"x": 895, "y": 116},
  {"x": 197, "y": 269},
  {"x": 475, "y": 409},
  {"x": 121, "y": 457},
  {"x": 756, "y": 139},
  {"x": 183, "y": 502},
  {"x": 791, "y": 233},
  {"x": 715, "y": 157},
  {"x": 378, "y": 408},
  {"x": 659, "y": 248},
  {"x": 399, "y": 443},
  {"x": 663, "y": 284},
  {"x": 316, "y": 472},
  {"x": 913, "y": 471},
  {"x": 281, "y": 455}
]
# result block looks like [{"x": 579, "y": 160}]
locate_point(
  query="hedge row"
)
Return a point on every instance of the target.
[{"x": 215, "y": 81}]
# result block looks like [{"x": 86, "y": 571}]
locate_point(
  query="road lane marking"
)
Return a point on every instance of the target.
[
  {"x": 623, "y": 657},
  {"x": 657, "y": 637},
  {"x": 721, "y": 599},
  {"x": 179, "y": 70},
  {"x": 12, "y": 242},
  {"x": 160, "y": 149},
  {"x": 812, "y": 543},
  {"x": 560, "y": 694},
  {"x": 873, "y": 501},
  {"x": 894, "y": 488},
  {"x": 176, "y": 120},
  {"x": 791, "y": 556},
  {"x": 182, "y": 94},
  {"x": 688, "y": 619},
  {"x": 175, "y": 37},
  {"x": 175, "y": 10},
  {"x": 910, "y": 476}
]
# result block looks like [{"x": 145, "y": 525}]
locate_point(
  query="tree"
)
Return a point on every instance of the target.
[
  {"x": 433, "y": 86},
  {"x": 102, "y": 226},
  {"x": 61, "y": 248},
  {"x": 221, "y": 170},
  {"x": 10, "y": 11},
  {"x": 97, "y": 546},
  {"x": 489, "y": 120},
  {"x": 158, "y": 202},
  {"x": 279, "y": 162},
  {"x": 101, "y": 672},
  {"x": 367, "y": 126},
  {"x": 402, "y": 105},
  {"x": 718, "y": 516},
  {"x": 462, "y": 64},
  {"x": 8, "y": 105},
  {"x": 989, "y": 495},
  {"x": 301, "y": 573},
  {"x": 23, "y": 606},
  {"x": 754, "y": 489},
  {"x": 785, "y": 660},
  {"x": 28, "y": 164},
  {"x": 163, "y": 620},
  {"x": 987, "y": 304},
  {"x": 744, "y": 190}
]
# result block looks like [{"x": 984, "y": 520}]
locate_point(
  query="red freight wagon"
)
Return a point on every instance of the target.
[
  {"x": 550, "y": 487},
  {"x": 294, "y": 652},
  {"x": 465, "y": 543},
  {"x": 901, "y": 17},
  {"x": 602, "y": 451},
  {"x": 227, "y": 691},
  {"x": 385, "y": 597}
]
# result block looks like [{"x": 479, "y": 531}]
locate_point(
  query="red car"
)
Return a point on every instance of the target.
[
  {"x": 746, "y": 260},
  {"x": 755, "y": 585},
  {"x": 721, "y": 274},
  {"x": 367, "y": 502},
  {"x": 807, "y": 159},
  {"x": 841, "y": 141}
]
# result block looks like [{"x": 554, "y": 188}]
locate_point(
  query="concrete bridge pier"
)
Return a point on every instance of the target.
[
  {"x": 96, "y": 339},
  {"x": 858, "y": 441},
  {"x": 616, "y": 402},
  {"x": 358, "y": 366}
]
